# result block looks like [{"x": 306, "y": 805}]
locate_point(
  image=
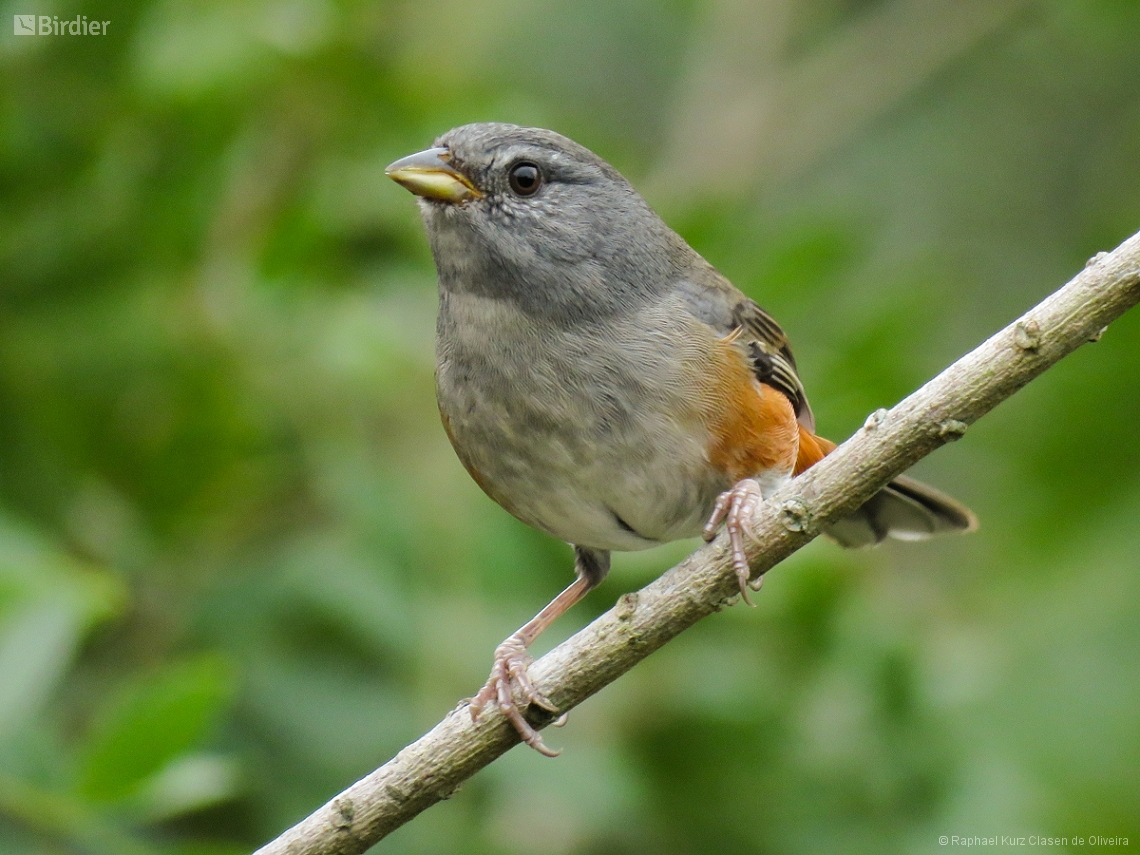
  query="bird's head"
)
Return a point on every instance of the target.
[{"x": 528, "y": 213}]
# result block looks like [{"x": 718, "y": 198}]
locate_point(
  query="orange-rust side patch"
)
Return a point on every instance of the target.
[
  {"x": 752, "y": 425},
  {"x": 812, "y": 449}
]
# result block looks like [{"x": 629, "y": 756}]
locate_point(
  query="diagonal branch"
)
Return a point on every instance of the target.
[{"x": 434, "y": 766}]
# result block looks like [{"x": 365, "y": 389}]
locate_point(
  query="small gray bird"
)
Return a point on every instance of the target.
[{"x": 603, "y": 382}]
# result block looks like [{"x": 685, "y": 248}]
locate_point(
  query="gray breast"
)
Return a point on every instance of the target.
[{"x": 583, "y": 432}]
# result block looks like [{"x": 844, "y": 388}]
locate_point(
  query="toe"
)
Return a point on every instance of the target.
[
  {"x": 511, "y": 690},
  {"x": 735, "y": 508}
]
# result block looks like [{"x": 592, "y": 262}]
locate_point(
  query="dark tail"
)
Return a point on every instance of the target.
[{"x": 905, "y": 509}]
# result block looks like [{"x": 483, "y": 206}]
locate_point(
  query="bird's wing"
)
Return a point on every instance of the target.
[{"x": 713, "y": 299}]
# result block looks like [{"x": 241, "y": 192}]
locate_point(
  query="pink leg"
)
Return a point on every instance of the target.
[
  {"x": 509, "y": 684},
  {"x": 735, "y": 508}
]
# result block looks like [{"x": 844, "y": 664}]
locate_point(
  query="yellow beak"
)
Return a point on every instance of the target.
[{"x": 427, "y": 174}]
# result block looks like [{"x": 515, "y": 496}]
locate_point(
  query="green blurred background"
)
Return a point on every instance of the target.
[{"x": 240, "y": 565}]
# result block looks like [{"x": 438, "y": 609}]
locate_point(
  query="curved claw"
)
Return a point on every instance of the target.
[
  {"x": 735, "y": 508},
  {"x": 509, "y": 682}
]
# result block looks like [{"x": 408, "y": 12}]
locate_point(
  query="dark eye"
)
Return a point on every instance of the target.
[{"x": 525, "y": 179}]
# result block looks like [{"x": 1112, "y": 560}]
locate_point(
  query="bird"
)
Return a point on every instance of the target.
[{"x": 601, "y": 381}]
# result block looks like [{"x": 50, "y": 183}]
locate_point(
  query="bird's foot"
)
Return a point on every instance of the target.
[
  {"x": 735, "y": 508},
  {"x": 510, "y": 688}
]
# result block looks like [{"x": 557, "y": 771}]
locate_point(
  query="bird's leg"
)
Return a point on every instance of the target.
[
  {"x": 509, "y": 684},
  {"x": 735, "y": 508}
]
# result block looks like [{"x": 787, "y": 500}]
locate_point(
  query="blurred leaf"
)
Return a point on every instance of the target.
[
  {"x": 156, "y": 720},
  {"x": 37, "y": 642},
  {"x": 48, "y": 602},
  {"x": 188, "y": 783}
]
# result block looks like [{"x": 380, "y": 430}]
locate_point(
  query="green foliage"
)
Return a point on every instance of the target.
[
  {"x": 155, "y": 721},
  {"x": 48, "y": 602},
  {"x": 241, "y": 567}
]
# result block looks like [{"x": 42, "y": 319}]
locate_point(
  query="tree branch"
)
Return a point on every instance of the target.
[{"x": 434, "y": 766}]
